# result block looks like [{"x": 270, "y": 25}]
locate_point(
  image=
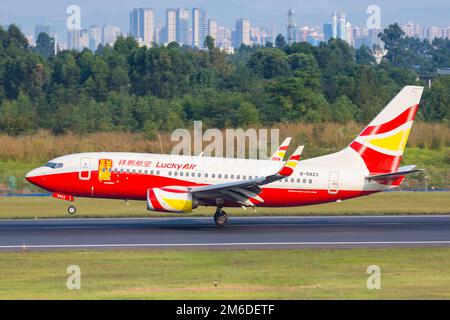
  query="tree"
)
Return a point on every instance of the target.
[
  {"x": 305, "y": 66},
  {"x": 209, "y": 43},
  {"x": 343, "y": 110},
  {"x": 280, "y": 42},
  {"x": 269, "y": 63},
  {"x": 392, "y": 38},
  {"x": 15, "y": 37},
  {"x": 45, "y": 45},
  {"x": 364, "y": 55},
  {"x": 247, "y": 115}
]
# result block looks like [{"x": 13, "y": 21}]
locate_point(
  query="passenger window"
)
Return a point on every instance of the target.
[
  {"x": 238, "y": 177},
  {"x": 232, "y": 176},
  {"x": 213, "y": 175},
  {"x": 170, "y": 173},
  {"x": 219, "y": 176},
  {"x": 226, "y": 176}
]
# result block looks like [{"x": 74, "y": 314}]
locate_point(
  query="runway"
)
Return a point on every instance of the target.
[{"x": 241, "y": 233}]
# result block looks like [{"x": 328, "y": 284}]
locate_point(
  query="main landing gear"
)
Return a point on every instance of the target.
[
  {"x": 220, "y": 217},
  {"x": 72, "y": 209}
]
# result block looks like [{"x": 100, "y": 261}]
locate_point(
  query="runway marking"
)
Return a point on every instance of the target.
[
  {"x": 233, "y": 244},
  {"x": 150, "y": 218}
]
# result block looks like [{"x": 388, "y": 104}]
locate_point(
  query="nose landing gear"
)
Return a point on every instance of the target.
[
  {"x": 220, "y": 217},
  {"x": 72, "y": 209}
]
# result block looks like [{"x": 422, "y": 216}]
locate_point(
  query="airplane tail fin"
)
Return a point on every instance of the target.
[
  {"x": 382, "y": 142},
  {"x": 281, "y": 151}
]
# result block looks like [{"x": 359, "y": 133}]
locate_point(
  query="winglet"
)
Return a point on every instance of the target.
[
  {"x": 290, "y": 165},
  {"x": 281, "y": 151}
]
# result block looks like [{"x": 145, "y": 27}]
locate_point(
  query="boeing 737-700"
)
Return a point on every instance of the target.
[{"x": 179, "y": 184}]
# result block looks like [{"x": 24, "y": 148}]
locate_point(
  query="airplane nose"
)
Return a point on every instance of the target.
[
  {"x": 35, "y": 176},
  {"x": 32, "y": 174}
]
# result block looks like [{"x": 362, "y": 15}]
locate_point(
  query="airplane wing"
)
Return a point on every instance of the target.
[
  {"x": 281, "y": 151},
  {"x": 242, "y": 191}
]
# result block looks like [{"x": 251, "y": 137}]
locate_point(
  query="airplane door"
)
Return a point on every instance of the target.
[
  {"x": 333, "y": 186},
  {"x": 85, "y": 169}
]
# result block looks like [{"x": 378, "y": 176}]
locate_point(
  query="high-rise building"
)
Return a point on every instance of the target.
[
  {"x": 110, "y": 35},
  {"x": 199, "y": 27},
  {"x": 242, "y": 33},
  {"x": 349, "y": 33},
  {"x": 327, "y": 31},
  {"x": 95, "y": 37},
  {"x": 334, "y": 23},
  {"x": 142, "y": 25},
  {"x": 182, "y": 23},
  {"x": 291, "y": 27},
  {"x": 158, "y": 38},
  {"x": 47, "y": 28},
  {"x": 73, "y": 39},
  {"x": 213, "y": 30},
  {"x": 84, "y": 39},
  {"x": 433, "y": 33},
  {"x": 171, "y": 26},
  {"x": 342, "y": 26}
]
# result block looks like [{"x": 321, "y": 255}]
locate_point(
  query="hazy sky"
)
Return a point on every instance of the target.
[{"x": 267, "y": 13}]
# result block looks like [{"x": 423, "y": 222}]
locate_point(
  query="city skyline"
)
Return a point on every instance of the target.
[
  {"x": 28, "y": 15},
  {"x": 190, "y": 25}
]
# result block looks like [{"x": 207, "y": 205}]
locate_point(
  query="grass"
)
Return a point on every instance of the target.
[
  {"x": 383, "y": 203},
  {"x": 291, "y": 274}
]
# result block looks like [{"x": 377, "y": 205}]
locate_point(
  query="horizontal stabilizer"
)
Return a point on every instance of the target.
[{"x": 394, "y": 175}]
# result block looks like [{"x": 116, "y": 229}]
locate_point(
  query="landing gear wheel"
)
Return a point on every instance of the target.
[
  {"x": 72, "y": 210},
  {"x": 221, "y": 218}
]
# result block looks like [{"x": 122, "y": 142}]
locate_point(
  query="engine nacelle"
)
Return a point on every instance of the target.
[{"x": 170, "y": 199}]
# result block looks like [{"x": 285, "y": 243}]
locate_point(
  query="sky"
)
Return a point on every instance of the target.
[{"x": 263, "y": 13}]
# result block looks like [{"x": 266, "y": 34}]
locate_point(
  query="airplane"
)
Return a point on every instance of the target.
[{"x": 179, "y": 184}]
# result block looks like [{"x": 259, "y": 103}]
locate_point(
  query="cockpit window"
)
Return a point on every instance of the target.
[{"x": 54, "y": 165}]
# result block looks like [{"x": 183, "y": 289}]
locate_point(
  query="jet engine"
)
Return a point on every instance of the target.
[{"x": 170, "y": 199}]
